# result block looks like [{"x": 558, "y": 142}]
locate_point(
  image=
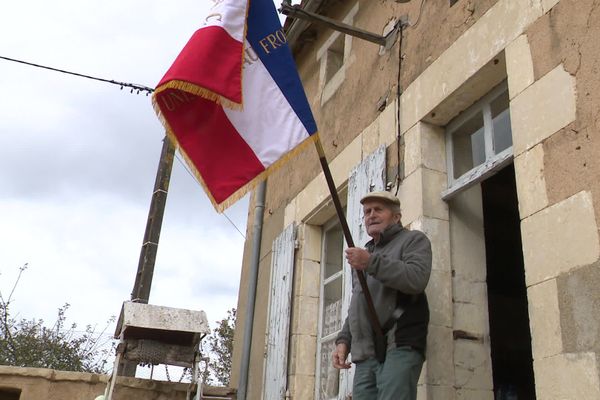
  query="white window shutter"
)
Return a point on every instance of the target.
[
  {"x": 280, "y": 301},
  {"x": 366, "y": 177}
]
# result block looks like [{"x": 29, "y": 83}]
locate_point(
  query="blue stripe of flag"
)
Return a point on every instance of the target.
[{"x": 264, "y": 33}]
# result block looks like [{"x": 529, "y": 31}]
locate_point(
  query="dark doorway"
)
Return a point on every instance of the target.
[
  {"x": 507, "y": 294},
  {"x": 10, "y": 394}
]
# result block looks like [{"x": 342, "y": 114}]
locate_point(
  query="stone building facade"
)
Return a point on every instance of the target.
[{"x": 483, "y": 117}]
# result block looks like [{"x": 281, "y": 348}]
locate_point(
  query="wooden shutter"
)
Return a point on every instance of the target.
[
  {"x": 280, "y": 301},
  {"x": 366, "y": 177}
]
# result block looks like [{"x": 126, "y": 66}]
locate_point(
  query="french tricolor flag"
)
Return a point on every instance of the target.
[{"x": 233, "y": 101}]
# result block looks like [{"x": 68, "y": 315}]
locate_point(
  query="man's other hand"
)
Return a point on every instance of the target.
[{"x": 339, "y": 356}]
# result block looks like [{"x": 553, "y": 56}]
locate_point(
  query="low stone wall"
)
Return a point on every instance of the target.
[{"x": 18, "y": 383}]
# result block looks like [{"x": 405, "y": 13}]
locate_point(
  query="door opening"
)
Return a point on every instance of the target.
[
  {"x": 510, "y": 335},
  {"x": 10, "y": 393}
]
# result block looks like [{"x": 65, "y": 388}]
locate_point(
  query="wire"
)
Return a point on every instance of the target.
[
  {"x": 400, "y": 137},
  {"x": 196, "y": 180},
  {"x": 236, "y": 228},
  {"x": 132, "y": 86},
  {"x": 419, "y": 17},
  {"x": 398, "y": 171}
]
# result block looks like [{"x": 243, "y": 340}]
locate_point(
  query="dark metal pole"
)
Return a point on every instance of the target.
[
  {"x": 296, "y": 11},
  {"x": 372, "y": 314}
]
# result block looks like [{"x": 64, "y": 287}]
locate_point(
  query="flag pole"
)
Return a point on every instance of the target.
[{"x": 372, "y": 314}]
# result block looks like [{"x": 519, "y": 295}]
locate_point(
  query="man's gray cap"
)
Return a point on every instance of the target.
[{"x": 381, "y": 196}]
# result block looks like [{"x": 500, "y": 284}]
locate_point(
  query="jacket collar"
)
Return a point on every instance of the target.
[{"x": 388, "y": 234}]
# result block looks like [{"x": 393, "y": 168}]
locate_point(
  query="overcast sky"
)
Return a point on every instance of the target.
[{"x": 78, "y": 160}]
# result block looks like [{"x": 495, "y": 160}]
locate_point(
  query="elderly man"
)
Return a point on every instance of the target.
[{"x": 397, "y": 263}]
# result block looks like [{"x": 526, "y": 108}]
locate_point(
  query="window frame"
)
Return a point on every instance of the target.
[
  {"x": 330, "y": 84},
  {"x": 493, "y": 162},
  {"x": 329, "y": 225}
]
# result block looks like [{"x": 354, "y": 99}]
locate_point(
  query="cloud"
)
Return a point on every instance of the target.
[
  {"x": 86, "y": 253},
  {"x": 79, "y": 162}
]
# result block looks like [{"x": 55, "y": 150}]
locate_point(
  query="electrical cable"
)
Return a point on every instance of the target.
[
  {"x": 398, "y": 171},
  {"x": 196, "y": 180},
  {"x": 400, "y": 138},
  {"x": 133, "y": 86},
  {"x": 419, "y": 16}
]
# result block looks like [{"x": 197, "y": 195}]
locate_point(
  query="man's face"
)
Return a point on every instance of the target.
[{"x": 378, "y": 216}]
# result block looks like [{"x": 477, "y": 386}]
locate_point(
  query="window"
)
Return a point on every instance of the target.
[
  {"x": 330, "y": 310},
  {"x": 479, "y": 141},
  {"x": 336, "y": 276},
  {"x": 334, "y": 57}
]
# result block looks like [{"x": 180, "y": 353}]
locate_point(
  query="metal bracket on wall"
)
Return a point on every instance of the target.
[{"x": 296, "y": 11}]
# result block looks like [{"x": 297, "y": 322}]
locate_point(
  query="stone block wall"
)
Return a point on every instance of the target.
[
  {"x": 555, "y": 135},
  {"x": 47, "y": 384},
  {"x": 549, "y": 52}
]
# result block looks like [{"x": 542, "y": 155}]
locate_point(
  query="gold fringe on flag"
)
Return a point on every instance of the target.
[
  {"x": 241, "y": 192},
  {"x": 197, "y": 91}
]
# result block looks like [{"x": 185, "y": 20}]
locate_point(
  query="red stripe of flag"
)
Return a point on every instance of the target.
[
  {"x": 206, "y": 136},
  {"x": 211, "y": 59}
]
